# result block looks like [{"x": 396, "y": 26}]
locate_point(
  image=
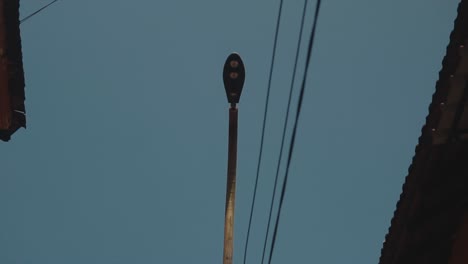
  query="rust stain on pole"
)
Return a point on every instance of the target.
[
  {"x": 231, "y": 187},
  {"x": 233, "y": 78}
]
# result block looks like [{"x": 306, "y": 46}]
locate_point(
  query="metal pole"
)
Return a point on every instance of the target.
[
  {"x": 233, "y": 78},
  {"x": 231, "y": 187}
]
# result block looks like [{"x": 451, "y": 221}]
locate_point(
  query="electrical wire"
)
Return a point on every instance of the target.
[
  {"x": 37, "y": 12},
  {"x": 285, "y": 127},
  {"x": 278, "y": 19},
  {"x": 293, "y": 136}
]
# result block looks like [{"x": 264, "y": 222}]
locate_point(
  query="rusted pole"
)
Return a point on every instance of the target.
[
  {"x": 231, "y": 187},
  {"x": 233, "y": 78}
]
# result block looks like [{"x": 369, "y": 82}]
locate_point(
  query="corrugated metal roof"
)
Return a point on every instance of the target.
[
  {"x": 435, "y": 193},
  {"x": 14, "y": 60}
]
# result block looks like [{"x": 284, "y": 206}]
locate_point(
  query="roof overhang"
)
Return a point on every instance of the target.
[
  {"x": 12, "y": 110},
  {"x": 435, "y": 193}
]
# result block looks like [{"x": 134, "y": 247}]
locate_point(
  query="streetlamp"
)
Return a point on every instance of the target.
[{"x": 233, "y": 77}]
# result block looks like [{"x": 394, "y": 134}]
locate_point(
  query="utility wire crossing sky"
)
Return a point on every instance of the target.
[{"x": 124, "y": 158}]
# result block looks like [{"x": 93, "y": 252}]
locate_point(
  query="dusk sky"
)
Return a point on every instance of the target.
[{"x": 125, "y": 154}]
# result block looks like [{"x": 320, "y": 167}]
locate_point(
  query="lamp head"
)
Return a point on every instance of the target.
[{"x": 233, "y": 77}]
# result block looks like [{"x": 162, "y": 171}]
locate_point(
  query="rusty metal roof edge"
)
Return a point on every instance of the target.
[
  {"x": 14, "y": 50},
  {"x": 16, "y": 81},
  {"x": 449, "y": 65}
]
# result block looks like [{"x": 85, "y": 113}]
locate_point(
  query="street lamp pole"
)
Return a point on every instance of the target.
[
  {"x": 233, "y": 77},
  {"x": 231, "y": 187}
]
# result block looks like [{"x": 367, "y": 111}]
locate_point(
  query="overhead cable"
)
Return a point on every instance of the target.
[
  {"x": 293, "y": 136},
  {"x": 278, "y": 19},
  {"x": 285, "y": 127},
  {"x": 37, "y": 12}
]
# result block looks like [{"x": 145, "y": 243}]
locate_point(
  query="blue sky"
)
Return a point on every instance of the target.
[{"x": 124, "y": 157}]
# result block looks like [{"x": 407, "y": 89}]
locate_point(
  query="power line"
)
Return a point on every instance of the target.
[
  {"x": 278, "y": 18},
  {"x": 285, "y": 127},
  {"x": 37, "y": 12},
  {"x": 293, "y": 137}
]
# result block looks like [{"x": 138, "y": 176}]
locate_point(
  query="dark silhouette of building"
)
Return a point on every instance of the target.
[
  {"x": 12, "y": 110},
  {"x": 430, "y": 223}
]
